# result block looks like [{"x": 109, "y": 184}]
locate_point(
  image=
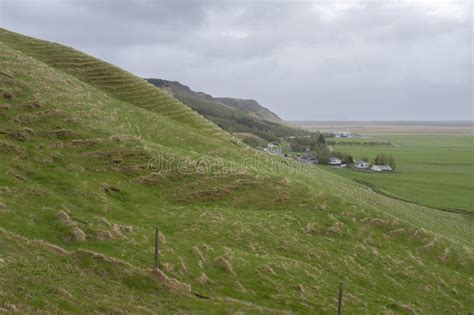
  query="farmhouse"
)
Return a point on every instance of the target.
[
  {"x": 381, "y": 168},
  {"x": 335, "y": 161},
  {"x": 361, "y": 164},
  {"x": 344, "y": 134}
]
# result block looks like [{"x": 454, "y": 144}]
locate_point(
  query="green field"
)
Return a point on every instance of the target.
[
  {"x": 82, "y": 191},
  {"x": 434, "y": 170},
  {"x": 351, "y": 141}
]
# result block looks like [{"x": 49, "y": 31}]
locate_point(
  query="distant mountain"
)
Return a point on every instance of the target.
[
  {"x": 231, "y": 114},
  {"x": 251, "y": 107}
]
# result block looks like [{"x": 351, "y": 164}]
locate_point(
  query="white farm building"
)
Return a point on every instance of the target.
[
  {"x": 381, "y": 168},
  {"x": 361, "y": 164}
]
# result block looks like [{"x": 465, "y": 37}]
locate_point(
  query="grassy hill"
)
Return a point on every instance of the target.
[
  {"x": 231, "y": 114},
  {"x": 92, "y": 159}
]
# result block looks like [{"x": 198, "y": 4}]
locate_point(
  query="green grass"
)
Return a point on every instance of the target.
[
  {"x": 351, "y": 141},
  {"x": 434, "y": 170},
  {"x": 270, "y": 236}
]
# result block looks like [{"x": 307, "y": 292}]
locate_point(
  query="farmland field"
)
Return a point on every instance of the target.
[
  {"x": 436, "y": 170},
  {"x": 390, "y": 127}
]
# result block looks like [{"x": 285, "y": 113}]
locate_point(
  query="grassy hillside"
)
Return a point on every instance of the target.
[
  {"x": 232, "y": 114},
  {"x": 92, "y": 159}
]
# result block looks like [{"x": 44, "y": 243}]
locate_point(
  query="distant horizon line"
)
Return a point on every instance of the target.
[{"x": 384, "y": 121}]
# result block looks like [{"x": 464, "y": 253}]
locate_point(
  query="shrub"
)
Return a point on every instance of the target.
[
  {"x": 385, "y": 159},
  {"x": 323, "y": 154},
  {"x": 344, "y": 157}
]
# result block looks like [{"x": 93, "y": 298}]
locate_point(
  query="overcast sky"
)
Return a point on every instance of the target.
[{"x": 311, "y": 60}]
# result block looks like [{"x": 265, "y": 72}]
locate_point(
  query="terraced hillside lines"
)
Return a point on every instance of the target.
[
  {"x": 82, "y": 191},
  {"x": 95, "y": 104},
  {"x": 109, "y": 78}
]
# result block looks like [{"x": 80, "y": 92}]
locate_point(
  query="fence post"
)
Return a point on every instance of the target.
[
  {"x": 157, "y": 233},
  {"x": 339, "y": 300}
]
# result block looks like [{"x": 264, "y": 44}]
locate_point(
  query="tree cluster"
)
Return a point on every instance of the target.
[
  {"x": 303, "y": 143},
  {"x": 385, "y": 159},
  {"x": 344, "y": 157},
  {"x": 323, "y": 154}
]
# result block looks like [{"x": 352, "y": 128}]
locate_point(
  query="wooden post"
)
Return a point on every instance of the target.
[
  {"x": 339, "y": 300},
  {"x": 157, "y": 233}
]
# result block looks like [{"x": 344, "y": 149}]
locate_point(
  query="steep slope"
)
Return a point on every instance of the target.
[
  {"x": 87, "y": 173},
  {"x": 108, "y": 78},
  {"x": 251, "y": 107},
  {"x": 231, "y": 114}
]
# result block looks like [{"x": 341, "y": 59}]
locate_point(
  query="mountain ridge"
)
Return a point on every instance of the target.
[
  {"x": 251, "y": 105},
  {"x": 248, "y": 120}
]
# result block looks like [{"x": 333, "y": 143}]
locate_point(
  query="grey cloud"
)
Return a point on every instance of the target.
[{"x": 304, "y": 60}]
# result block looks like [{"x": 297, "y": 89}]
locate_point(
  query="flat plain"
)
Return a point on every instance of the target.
[
  {"x": 391, "y": 127},
  {"x": 435, "y": 160}
]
